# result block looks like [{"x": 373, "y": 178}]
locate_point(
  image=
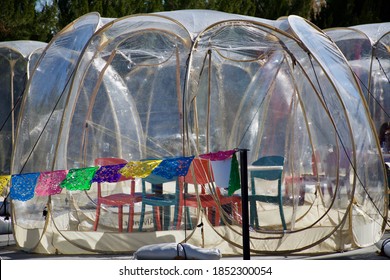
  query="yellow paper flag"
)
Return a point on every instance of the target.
[
  {"x": 139, "y": 169},
  {"x": 4, "y": 181}
]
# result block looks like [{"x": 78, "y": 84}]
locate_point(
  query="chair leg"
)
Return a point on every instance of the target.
[
  {"x": 209, "y": 215},
  {"x": 120, "y": 218},
  {"x": 167, "y": 217},
  {"x": 254, "y": 220},
  {"x": 189, "y": 220},
  {"x": 209, "y": 212},
  {"x": 142, "y": 218},
  {"x": 281, "y": 212},
  {"x": 232, "y": 212},
  {"x": 130, "y": 224},
  {"x": 238, "y": 214},
  {"x": 213, "y": 215},
  {"x": 217, "y": 216},
  {"x": 157, "y": 217},
  {"x": 282, "y": 216},
  {"x": 178, "y": 216},
  {"x": 97, "y": 216}
]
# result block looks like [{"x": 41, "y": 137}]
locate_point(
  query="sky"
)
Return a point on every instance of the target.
[{"x": 41, "y": 3}]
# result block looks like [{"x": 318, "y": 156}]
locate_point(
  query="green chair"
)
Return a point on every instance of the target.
[
  {"x": 161, "y": 202},
  {"x": 266, "y": 174}
]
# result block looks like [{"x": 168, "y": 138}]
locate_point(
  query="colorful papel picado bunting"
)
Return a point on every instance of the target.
[{"x": 25, "y": 186}]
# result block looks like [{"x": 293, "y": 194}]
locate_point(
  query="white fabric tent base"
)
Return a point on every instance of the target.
[{"x": 53, "y": 241}]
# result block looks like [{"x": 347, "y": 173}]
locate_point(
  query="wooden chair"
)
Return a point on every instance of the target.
[
  {"x": 338, "y": 166},
  {"x": 117, "y": 199},
  {"x": 157, "y": 199},
  {"x": 200, "y": 174},
  {"x": 268, "y": 174}
]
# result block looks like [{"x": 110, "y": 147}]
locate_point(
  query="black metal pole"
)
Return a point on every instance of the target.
[{"x": 244, "y": 198}]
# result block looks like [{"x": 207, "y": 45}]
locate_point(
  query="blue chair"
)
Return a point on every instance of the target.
[
  {"x": 161, "y": 201},
  {"x": 270, "y": 175}
]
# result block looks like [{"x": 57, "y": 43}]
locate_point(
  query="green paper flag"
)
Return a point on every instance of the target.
[
  {"x": 234, "y": 180},
  {"x": 79, "y": 179}
]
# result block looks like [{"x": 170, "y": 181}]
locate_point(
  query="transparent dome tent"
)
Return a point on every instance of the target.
[
  {"x": 17, "y": 60},
  {"x": 366, "y": 48},
  {"x": 43, "y": 103},
  {"x": 189, "y": 89}
]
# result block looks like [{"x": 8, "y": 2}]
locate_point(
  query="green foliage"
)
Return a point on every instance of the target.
[
  {"x": 303, "y": 8},
  {"x": 243, "y": 7},
  {"x": 20, "y": 19},
  {"x": 45, "y": 25},
  {"x": 16, "y": 19},
  {"x": 271, "y": 9},
  {"x": 352, "y": 12}
]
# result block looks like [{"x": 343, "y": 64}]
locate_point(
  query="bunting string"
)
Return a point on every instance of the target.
[{"x": 24, "y": 186}]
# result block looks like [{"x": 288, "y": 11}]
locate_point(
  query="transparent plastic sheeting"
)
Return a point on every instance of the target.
[
  {"x": 366, "y": 48},
  {"x": 166, "y": 85},
  {"x": 17, "y": 61}
]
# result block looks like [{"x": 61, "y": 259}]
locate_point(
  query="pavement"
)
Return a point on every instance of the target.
[{"x": 10, "y": 251}]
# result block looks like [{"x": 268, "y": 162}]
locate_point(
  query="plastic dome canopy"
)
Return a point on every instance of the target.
[
  {"x": 41, "y": 110},
  {"x": 298, "y": 131},
  {"x": 46, "y": 96},
  {"x": 366, "y": 47},
  {"x": 17, "y": 61},
  {"x": 146, "y": 87}
]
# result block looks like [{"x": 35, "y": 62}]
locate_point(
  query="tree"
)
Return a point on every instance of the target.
[
  {"x": 352, "y": 12},
  {"x": 243, "y": 7},
  {"x": 21, "y": 19},
  {"x": 303, "y": 8},
  {"x": 69, "y": 10},
  {"x": 121, "y": 8},
  {"x": 16, "y": 19},
  {"x": 271, "y": 9},
  {"x": 45, "y": 25}
]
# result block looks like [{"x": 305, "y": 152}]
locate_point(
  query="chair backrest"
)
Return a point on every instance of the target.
[
  {"x": 157, "y": 182},
  {"x": 199, "y": 172},
  {"x": 267, "y": 174},
  {"x": 335, "y": 161},
  {"x": 114, "y": 161},
  {"x": 109, "y": 161}
]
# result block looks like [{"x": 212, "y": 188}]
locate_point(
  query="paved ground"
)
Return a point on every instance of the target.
[{"x": 9, "y": 251}]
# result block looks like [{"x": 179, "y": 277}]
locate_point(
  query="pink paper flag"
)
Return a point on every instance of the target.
[{"x": 49, "y": 182}]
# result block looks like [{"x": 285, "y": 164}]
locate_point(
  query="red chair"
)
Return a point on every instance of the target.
[
  {"x": 200, "y": 174},
  {"x": 117, "y": 199}
]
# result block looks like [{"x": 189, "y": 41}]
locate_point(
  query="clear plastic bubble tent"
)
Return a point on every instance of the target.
[
  {"x": 367, "y": 50},
  {"x": 178, "y": 96},
  {"x": 17, "y": 60}
]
